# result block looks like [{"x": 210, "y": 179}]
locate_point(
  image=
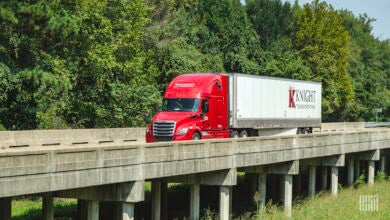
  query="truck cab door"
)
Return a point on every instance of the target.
[{"x": 205, "y": 122}]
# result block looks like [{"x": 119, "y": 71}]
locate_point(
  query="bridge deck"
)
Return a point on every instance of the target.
[{"x": 40, "y": 169}]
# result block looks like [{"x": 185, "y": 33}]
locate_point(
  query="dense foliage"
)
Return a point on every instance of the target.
[{"x": 105, "y": 63}]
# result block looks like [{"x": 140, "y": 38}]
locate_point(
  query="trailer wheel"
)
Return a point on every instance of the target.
[
  {"x": 243, "y": 134},
  {"x": 196, "y": 136},
  {"x": 306, "y": 131}
]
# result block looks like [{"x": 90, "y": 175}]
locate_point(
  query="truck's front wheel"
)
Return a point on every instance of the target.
[
  {"x": 234, "y": 134},
  {"x": 196, "y": 136}
]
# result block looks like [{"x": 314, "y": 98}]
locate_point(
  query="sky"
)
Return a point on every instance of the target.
[{"x": 378, "y": 9}]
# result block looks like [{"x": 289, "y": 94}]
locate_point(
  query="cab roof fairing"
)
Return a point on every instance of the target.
[{"x": 192, "y": 85}]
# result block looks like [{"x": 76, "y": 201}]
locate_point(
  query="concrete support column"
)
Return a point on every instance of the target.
[
  {"x": 335, "y": 180},
  {"x": 357, "y": 169},
  {"x": 287, "y": 194},
  {"x": 92, "y": 209},
  {"x": 371, "y": 172},
  {"x": 350, "y": 172},
  {"x": 262, "y": 188},
  {"x": 47, "y": 206},
  {"x": 156, "y": 200},
  {"x": 127, "y": 211},
  {"x": 5, "y": 208},
  {"x": 124, "y": 211},
  {"x": 194, "y": 202},
  {"x": 164, "y": 200},
  {"x": 312, "y": 181},
  {"x": 224, "y": 198},
  {"x": 324, "y": 177},
  {"x": 383, "y": 163}
]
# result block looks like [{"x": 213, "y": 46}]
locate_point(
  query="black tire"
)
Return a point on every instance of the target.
[
  {"x": 235, "y": 134},
  {"x": 244, "y": 134},
  {"x": 196, "y": 136}
]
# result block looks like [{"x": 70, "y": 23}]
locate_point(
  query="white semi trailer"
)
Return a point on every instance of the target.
[{"x": 261, "y": 106}]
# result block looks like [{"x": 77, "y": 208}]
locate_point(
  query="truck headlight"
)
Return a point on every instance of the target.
[
  {"x": 182, "y": 131},
  {"x": 148, "y": 130}
]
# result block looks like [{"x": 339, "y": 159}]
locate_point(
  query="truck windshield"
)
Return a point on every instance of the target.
[{"x": 180, "y": 105}]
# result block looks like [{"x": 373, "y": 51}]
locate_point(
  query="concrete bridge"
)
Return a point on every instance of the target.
[{"x": 113, "y": 164}]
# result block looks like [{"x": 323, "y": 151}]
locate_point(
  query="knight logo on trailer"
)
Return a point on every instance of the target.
[
  {"x": 291, "y": 98},
  {"x": 301, "y": 99}
]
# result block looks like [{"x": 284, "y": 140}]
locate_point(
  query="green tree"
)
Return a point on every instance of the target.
[
  {"x": 368, "y": 67},
  {"x": 272, "y": 20},
  {"x": 74, "y": 62},
  {"x": 324, "y": 44}
]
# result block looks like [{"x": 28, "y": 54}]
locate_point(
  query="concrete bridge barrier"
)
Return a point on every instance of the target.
[{"x": 13, "y": 139}]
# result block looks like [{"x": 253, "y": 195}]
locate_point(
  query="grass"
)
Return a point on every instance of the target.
[
  {"x": 344, "y": 206},
  {"x": 30, "y": 208}
]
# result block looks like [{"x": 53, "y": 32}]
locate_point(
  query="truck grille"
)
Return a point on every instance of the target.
[{"x": 163, "y": 130}]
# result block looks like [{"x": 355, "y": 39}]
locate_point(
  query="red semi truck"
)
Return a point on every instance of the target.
[{"x": 205, "y": 106}]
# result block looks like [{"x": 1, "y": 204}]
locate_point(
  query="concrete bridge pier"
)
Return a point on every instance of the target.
[
  {"x": 350, "y": 172},
  {"x": 262, "y": 188},
  {"x": 87, "y": 209},
  {"x": 224, "y": 202},
  {"x": 324, "y": 180},
  {"x": 334, "y": 180},
  {"x": 194, "y": 201},
  {"x": 156, "y": 200},
  {"x": 331, "y": 161},
  {"x": 357, "y": 169},
  {"x": 312, "y": 181},
  {"x": 48, "y": 206},
  {"x": 371, "y": 172},
  {"x": 5, "y": 208},
  {"x": 160, "y": 200},
  {"x": 123, "y": 194},
  {"x": 225, "y": 179},
  {"x": 287, "y": 170},
  {"x": 288, "y": 181},
  {"x": 370, "y": 156},
  {"x": 124, "y": 211},
  {"x": 383, "y": 163},
  {"x": 92, "y": 209}
]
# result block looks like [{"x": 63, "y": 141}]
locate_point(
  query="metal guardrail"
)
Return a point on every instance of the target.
[{"x": 377, "y": 124}]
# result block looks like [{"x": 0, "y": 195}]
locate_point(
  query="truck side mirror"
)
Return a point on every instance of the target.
[
  {"x": 156, "y": 107},
  {"x": 146, "y": 117},
  {"x": 205, "y": 106}
]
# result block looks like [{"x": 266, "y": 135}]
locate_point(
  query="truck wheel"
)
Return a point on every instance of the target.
[
  {"x": 196, "y": 136},
  {"x": 244, "y": 134},
  {"x": 305, "y": 131},
  {"x": 235, "y": 134}
]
